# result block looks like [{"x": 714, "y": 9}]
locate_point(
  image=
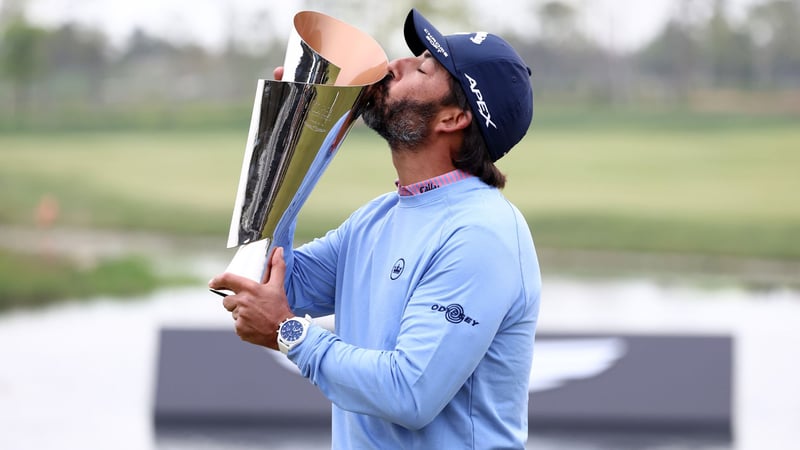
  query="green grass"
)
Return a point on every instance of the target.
[
  {"x": 717, "y": 187},
  {"x": 729, "y": 192},
  {"x": 153, "y": 181},
  {"x": 30, "y": 280}
]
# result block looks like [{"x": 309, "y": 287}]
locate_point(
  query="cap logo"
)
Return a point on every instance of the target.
[
  {"x": 432, "y": 40},
  {"x": 479, "y": 37},
  {"x": 484, "y": 110}
]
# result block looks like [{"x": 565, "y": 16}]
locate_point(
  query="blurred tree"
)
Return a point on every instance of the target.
[
  {"x": 73, "y": 51},
  {"x": 673, "y": 55},
  {"x": 141, "y": 46},
  {"x": 253, "y": 48},
  {"x": 10, "y": 10},
  {"x": 385, "y": 23},
  {"x": 21, "y": 60},
  {"x": 558, "y": 21},
  {"x": 156, "y": 80},
  {"x": 156, "y": 72},
  {"x": 728, "y": 50},
  {"x": 775, "y": 27},
  {"x": 565, "y": 61}
]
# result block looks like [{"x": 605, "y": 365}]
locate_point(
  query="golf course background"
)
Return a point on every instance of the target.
[{"x": 657, "y": 183}]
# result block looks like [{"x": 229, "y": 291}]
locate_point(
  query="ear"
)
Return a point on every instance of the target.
[{"x": 452, "y": 118}]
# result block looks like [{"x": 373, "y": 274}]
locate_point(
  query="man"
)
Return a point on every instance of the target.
[{"x": 436, "y": 286}]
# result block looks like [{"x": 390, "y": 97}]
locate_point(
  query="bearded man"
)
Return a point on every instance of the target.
[{"x": 435, "y": 286}]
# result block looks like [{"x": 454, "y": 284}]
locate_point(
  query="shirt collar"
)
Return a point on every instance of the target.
[{"x": 431, "y": 183}]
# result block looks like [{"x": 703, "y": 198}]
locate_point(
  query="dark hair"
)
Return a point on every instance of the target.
[{"x": 473, "y": 157}]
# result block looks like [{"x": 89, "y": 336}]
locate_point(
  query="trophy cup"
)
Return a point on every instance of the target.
[{"x": 296, "y": 128}]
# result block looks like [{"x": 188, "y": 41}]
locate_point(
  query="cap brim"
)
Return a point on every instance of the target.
[{"x": 421, "y": 35}]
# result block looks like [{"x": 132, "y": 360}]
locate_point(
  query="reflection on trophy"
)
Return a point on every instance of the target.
[{"x": 296, "y": 128}]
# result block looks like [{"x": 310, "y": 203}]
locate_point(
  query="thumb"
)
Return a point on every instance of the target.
[
  {"x": 230, "y": 281},
  {"x": 277, "y": 270}
]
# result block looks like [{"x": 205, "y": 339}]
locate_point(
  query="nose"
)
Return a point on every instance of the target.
[{"x": 399, "y": 66}]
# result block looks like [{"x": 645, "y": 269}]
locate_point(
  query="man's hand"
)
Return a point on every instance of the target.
[
  {"x": 257, "y": 309},
  {"x": 278, "y": 73}
]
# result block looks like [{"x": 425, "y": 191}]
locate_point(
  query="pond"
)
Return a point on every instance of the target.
[{"x": 81, "y": 375}]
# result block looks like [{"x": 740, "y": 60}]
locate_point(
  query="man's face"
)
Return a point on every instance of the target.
[{"x": 403, "y": 105}]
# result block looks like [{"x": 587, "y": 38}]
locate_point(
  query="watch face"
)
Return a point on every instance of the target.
[{"x": 291, "y": 330}]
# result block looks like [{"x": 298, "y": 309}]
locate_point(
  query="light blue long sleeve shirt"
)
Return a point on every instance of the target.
[{"x": 436, "y": 299}]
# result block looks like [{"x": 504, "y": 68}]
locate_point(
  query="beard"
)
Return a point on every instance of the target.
[{"x": 405, "y": 124}]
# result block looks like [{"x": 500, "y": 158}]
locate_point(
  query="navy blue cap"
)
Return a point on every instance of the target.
[{"x": 494, "y": 77}]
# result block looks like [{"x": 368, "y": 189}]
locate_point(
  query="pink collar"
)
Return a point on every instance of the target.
[{"x": 431, "y": 183}]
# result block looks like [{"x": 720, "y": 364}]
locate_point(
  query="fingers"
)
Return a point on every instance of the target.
[
  {"x": 231, "y": 282},
  {"x": 278, "y": 73},
  {"x": 234, "y": 283},
  {"x": 230, "y": 303},
  {"x": 256, "y": 308}
]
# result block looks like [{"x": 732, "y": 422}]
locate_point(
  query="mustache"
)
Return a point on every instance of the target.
[{"x": 379, "y": 90}]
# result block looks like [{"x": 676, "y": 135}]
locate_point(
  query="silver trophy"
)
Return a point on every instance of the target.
[{"x": 296, "y": 128}]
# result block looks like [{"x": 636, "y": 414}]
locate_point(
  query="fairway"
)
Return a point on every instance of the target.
[
  {"x": 731, "y": 176},
  {"x": 725, "y": 192}
]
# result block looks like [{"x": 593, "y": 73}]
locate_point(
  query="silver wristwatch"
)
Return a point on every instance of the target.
[{"x": 292, "y": 331}]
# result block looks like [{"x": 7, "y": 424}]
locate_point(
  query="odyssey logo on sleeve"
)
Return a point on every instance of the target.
[{"x": 454, "y": 313}]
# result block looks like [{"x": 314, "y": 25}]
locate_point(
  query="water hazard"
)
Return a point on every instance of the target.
[{"x": 81, "y": 375}]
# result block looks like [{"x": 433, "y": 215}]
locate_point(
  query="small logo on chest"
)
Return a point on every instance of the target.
[{"x": 397, "y": 269}]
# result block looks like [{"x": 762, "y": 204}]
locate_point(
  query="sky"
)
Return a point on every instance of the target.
[{"x": 618, "y": 24}]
